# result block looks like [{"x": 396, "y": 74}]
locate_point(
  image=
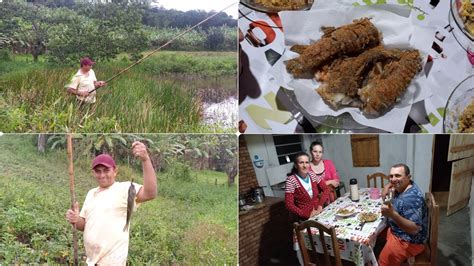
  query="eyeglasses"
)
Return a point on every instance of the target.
[{"x": 395, "y": 175}]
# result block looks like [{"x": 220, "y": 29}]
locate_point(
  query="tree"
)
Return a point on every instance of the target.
[
  {"x": 6, "y": 41},
  {"x": 99, "y": 30},
  {"x": 215, "y": 38},
  {"x": 42, "y": 138},
  {"x": 28, "y": 24},
  {"x": 223, "y": 149}
]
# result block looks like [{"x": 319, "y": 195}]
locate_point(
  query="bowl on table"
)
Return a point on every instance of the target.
[{"x": 459, "y": 108}]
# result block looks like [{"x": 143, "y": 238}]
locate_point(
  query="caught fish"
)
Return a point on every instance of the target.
[{"x": 130, "y": 204}]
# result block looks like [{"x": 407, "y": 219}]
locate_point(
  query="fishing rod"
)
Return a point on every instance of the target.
[
  {"x": 73, "y": 194},
  {"x": 164, "y": 45}
]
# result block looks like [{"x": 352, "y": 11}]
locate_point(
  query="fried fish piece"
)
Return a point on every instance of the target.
[
  {"x": 336, "y": 42},
  {"x": 298, "y": 48},
  {"x": 344, "y": 77},
  {"x": 383, "y": 89}
]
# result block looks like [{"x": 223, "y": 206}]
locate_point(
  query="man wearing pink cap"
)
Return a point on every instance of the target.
[
  {"x": 103, "y": 216},
  {"x": 84, "y": 81}
]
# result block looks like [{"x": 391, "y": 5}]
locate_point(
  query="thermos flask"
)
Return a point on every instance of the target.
[{"x": 354, "y": 190}]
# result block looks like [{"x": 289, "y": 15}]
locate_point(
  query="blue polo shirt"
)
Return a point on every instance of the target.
[{"x": 411, "y": 205}]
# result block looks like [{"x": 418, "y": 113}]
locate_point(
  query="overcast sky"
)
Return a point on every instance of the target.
[{"x": 207, "y": 5}]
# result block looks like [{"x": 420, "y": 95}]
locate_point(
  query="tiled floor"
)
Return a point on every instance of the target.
[{"x": 454, "y": 238}]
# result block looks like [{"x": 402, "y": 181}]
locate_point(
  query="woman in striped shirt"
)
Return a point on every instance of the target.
[{"x": 305, "y": 192}]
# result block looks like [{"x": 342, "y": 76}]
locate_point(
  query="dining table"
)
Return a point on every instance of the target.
[
  {"x": 270, "y": 104},
  {"x": 356, "y": 240}
]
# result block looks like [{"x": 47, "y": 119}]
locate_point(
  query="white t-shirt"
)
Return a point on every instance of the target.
[
  {"x": 84, "y": 82},
  {"x": 105, "y": 213},
  {"x": 307, "y": 186}
]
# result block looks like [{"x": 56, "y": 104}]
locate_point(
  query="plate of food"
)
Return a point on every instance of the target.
[
  {"x": 274, "y": 6},
  {"x": 459, "y": 111},
  {"x": 345, "y": 212},
  {"x": 463, "y": 14},
  {"x": 359, "y": 60},
  {"x": 367, "y": 217}
]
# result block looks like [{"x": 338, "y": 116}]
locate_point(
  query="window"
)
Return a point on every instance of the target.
[
  {"x": 365, "y": 150},
  {"x": 287, "y": 146}
]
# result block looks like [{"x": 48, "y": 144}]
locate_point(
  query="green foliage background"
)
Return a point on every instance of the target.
[
  {"x": 159, "y": 95},
  {"x": 67, "y": 31},
  {"x": 191, "y": 222}
]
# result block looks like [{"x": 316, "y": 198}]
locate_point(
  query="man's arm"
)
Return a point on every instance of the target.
[
  {"x": 99, "y": 84},
  {"x": 148, "y": 191},
  {"x": 406, "y": 225},
  {"x": 77, "y": 92},
  {"x": 81, "y": 224},
  {"x": 386, "y": 190},
  {"x": 72, "y": 216}
]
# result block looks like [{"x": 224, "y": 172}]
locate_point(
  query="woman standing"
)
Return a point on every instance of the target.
[
  {"x": 323, "y": 169},
  {"x": 305, "y": 193}
]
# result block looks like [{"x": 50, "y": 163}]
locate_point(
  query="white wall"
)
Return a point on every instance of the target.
[
  {"x": 422, "y": 161},
  {"x": 414, "y": 150},
  {"x": 256, "y": 146}
]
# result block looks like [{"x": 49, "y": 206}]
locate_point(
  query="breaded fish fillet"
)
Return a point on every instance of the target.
[
  {"x": 384, "y": 89},
  {"x": 336, "y": 42},
  {"x": 343, "y": 78}
]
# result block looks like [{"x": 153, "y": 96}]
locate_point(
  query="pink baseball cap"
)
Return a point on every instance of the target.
[
  {"x": 87, "y": 61},
  {"x": 105, "y": 160}
]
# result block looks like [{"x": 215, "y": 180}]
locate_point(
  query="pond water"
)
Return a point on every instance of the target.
[{"x": 222, "y": 114}]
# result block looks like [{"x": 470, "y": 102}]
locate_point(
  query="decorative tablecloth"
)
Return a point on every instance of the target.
[
  {"x": 355, "y": 243},
  {"x": 449, "y": 60}
]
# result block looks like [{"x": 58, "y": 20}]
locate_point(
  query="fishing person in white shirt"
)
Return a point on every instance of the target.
[
  {"x": 103, "y": 218},
  {"x": 85, "y": 81}
]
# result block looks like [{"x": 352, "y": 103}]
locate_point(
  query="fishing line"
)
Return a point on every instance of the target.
[{"x": 164, "y": 45}]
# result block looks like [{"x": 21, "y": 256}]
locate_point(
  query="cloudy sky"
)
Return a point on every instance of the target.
[{"x": 207, "y": 5}]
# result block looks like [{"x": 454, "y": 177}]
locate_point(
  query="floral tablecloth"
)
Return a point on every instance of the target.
[
  {"x": 449, "y": 61},
  {"x": 355, "y": 243}
]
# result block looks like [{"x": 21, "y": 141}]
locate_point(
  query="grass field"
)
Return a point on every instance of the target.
[
  {"x": 189, "y": 223},
  {"x": 163, "y": 94}
]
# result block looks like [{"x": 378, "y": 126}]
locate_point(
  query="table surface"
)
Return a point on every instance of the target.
[
  {"x": 263, "y": 110},
  {"x": 350, "y": 227},
  {"x": 355, "y": 243}
]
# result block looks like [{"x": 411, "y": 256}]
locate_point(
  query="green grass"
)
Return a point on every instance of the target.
[
  {"x": 189, "y": 223},
  {"x": 159, "y": 95}
]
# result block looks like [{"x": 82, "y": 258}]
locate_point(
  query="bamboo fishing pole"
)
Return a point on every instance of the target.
[
  {"x": 73, "y": 194},
  {"x": 164, "y": 45}
]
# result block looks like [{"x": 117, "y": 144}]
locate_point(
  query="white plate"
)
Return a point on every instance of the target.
[
  {"x": 267, "y": 9},
  {"x": 360, "y": 214},
  {"x": 352, "y": 211}
]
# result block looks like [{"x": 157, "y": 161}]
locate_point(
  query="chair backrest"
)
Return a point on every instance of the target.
[
  {"x": 374, "y": 177},
  {"x": 433, "y": 214},
  {"x": 309, "y": 253}
]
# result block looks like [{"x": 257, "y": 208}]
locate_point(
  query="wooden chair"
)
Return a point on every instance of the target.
[
  {"x": 428, "y": 256},
  {"x": 374, "y": 177},
  {"x": 310, "y": 256},
  {"x": 340, "y": 187}
]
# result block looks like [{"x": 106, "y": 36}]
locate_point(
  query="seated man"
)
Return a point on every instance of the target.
[{"x": 407, "y": 218}]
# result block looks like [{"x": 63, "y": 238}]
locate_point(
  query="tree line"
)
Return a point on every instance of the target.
[
  {"x": 65, "y": 30},
  {"x": 215, "y": 151}
]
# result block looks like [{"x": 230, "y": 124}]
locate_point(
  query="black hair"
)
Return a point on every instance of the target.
[
  {"x": 298, "y": 155},
  {"x": 315, "y": 143},
  {"x": 405, "y": 168}
]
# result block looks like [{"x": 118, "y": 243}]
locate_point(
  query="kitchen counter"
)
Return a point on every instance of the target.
[{"x": 267, "y": 202}]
